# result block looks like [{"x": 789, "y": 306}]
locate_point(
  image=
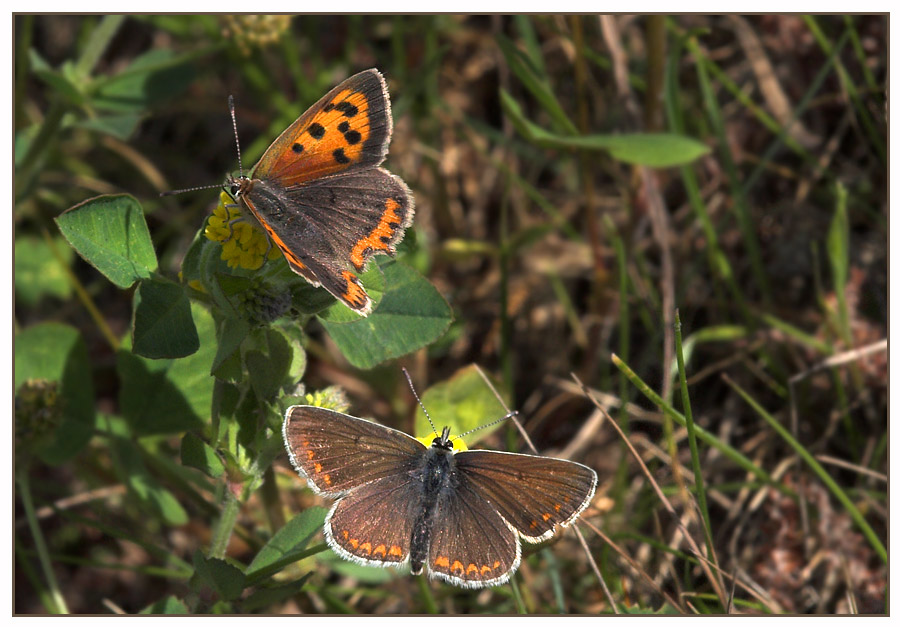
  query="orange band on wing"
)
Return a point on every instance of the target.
[
  {"x": 287, "y": 252},
  {"x": 355, "y": 295},
  {"x": 381, "y": 235}
]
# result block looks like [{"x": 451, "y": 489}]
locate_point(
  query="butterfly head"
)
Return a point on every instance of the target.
[
  {"x": 443, "y": 441},
  {"x": 238, "y": 186}
]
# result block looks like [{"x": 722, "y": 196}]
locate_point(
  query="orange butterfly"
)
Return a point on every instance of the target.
[{"x": 320, "y": 195}]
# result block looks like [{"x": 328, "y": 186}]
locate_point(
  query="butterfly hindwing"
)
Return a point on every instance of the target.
[
  {"x": 367, "y": 212},
  {"x": 471, "y": 545},
  {"x": 355, "y": 526},
  {"x": 337, "y": 453},
  {"x": 533, "y": 494},
  {"x": 347, "y": 130}
]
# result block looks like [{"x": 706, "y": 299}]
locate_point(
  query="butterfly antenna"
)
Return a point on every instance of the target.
[
  {"x": 237, "y": 142},
  {"x": 490, "y": 424},
  {"x": 412, "y": 387},
  {"x": 189, "y": 189}
]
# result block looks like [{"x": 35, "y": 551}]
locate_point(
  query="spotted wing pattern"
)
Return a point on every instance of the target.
[
  {"x": 348, "y": 129},
  {"x": 319, "y": 194}
]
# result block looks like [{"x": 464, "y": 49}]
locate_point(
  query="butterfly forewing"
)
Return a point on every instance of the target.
[
  {"x": 533, "y": 494},
  {"x": 471, "y": 545},
  {"x": 356, "y": 527},
  {"x": 337, "y": 453},
  {"x": 347, "y": 129}
]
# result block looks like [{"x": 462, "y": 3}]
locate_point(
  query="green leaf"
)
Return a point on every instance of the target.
[
  {"x": 373, "y": 281},
  {"x": 411, "y": 314},
  {"x": 264, "y": 598},
  {"x": 169, "y": 395},
  {"x": 308, "y": 299},
  {"x": 118, "y": 126},
  {"x": 163, "y": 327},
  {"x": 169, "y": 605},
  {"x": 144, "y": 486},
  {"x": 289, "y": 540},
  {"x": 56, "y": 352},
  {"x": 24, "y": 137},
  {"x": 462, "y": 402},
  {"x": 218, "y": 575},
  {"x": 191, "y": 263},
  {"x": 37, "y": 271},
  {"x": 269, "y": 364},
  {"x": 151, "y": 78},
  {"x": 363, "y": 574},
  {"x": 56, "y": 80},
  {"x": 655, "y": 150},
  {"x": 94, "y": 45},
  {"x": 110, "y": 233},
  {"x": 230, "y": 332},
  {"x": 195, "y": 453},
  {"x": 294, "y": 335}
]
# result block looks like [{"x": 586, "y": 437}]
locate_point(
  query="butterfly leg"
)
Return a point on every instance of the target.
[
  {"x": 232, "y": 221},
  {"x": 268, "y": 248}
]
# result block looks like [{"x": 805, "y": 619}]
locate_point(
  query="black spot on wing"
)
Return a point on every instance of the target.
[{"x": 316, "y": 130}]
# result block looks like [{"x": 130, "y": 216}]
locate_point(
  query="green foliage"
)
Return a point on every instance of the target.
[
  {"x": 218, "y": 576},
  {"x": 196, "y": 453},
  {"x": 411, "y": 314},
  {"x": 287, "y": 545},
  {"x": 163, "y": 327},
  {"x": 57, "y": 353},
  {"x": 168, "y": 605},
  {"x": 463, "y": 402},
  {"x": 160, "y": 396},
  {"x": 110, "y": 233},
  {"x": 38, "y": 272},
  {"x": 155, "y": 499},
  {"x": 655, "y": 150}
]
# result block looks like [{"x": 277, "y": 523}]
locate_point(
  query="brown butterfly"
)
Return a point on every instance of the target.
[
  {"x": 320, "y": 196},
  {"x": 459, "y": 516}
]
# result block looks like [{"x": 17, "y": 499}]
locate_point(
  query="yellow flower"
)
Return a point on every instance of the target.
[
  {"x": 243, "y": 245},
  {"x": 458, "y": 445}
]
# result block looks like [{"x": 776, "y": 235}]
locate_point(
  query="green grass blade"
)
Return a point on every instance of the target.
[{"x": 819, "y": 471}]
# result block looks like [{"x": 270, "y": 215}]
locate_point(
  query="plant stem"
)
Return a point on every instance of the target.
[
  {"x": 59, "y": 603},
  {"x": 222, "y": 532}
]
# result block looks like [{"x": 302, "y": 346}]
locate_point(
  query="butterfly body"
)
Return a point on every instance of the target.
[
  {"x": 320, "y": 196},
  {"x": 437, "y": 479},
  {"x": 459, "y": 516}
]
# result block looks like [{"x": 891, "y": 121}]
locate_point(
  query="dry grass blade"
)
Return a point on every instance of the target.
[
  {"x": 637, "y": 568},
  {"x": 704, "y": 563}
]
